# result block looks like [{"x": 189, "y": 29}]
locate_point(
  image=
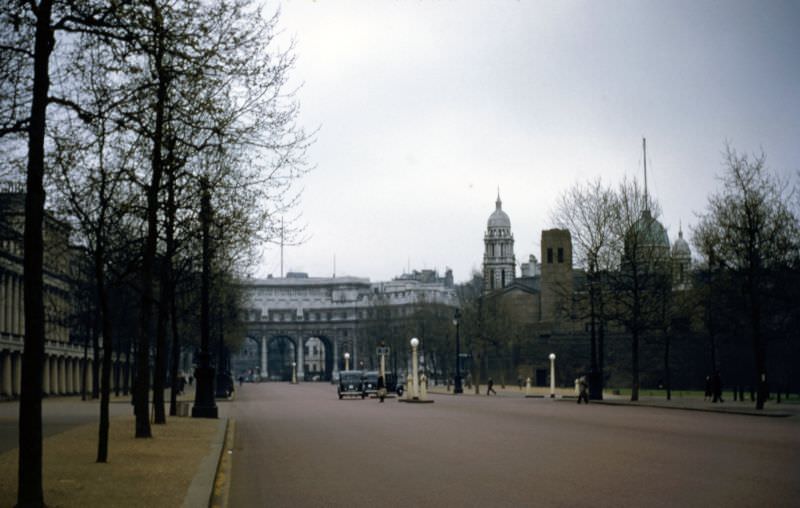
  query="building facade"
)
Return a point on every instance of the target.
[{"x": 313, "y": 321}]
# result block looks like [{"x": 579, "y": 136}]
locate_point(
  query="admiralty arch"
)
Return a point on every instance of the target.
[{"x": 312, "y": 322}]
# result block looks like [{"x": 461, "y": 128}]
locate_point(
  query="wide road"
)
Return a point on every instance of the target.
[
  {"x": 58, "y": 415},
  {"x": 298, "y": 445}
]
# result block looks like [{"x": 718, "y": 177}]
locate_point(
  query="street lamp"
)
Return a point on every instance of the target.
[
  {"x": 457, "y": 387},
  {"x": 347, "y": 361},
  {"x": 552, "y": 375},
  {"x": 414, "y": 369}
]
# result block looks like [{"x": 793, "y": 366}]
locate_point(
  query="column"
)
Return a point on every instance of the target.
[
  {"x": 264, "y": 374},
  {"x": 76, "y": 375},
  {"x": 53, "y": 362},
  {"x": 68, "y": 373},
  {"x": 62, "y": 376},
  {"x": 46, "y": 375},
  {"x": 5, "y": 382},
  {"x": 335, "y": 355},
  {"x": 17, "y": 367},
  {"x": 301, "y": 354},
  {"x": 88, "y": 374},
  {"x": 14, "y": 305},
  {"x": 21, "y": 320},
  {"x": 3, "y": 278}
]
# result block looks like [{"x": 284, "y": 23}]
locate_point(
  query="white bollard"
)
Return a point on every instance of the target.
[
  {"x": 527, "y": 387},
  {"x": 423, "y": 387}
]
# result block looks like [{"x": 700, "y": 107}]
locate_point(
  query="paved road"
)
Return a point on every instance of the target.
[
  {"x": 58, "y": 415},
  {"x": 298, "y": 445}
]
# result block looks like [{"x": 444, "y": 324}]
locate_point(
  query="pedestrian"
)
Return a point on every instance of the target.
[
  {"x": 519, "y": 382},
  {"x": 708, "y": 389},
  {"x": 381, "y": 388},
  {"x": 583, "y": 389},
  {"x": 241, "y": 380},
  {"x": 489, "y": 387},
  {"x": 716, "y": 387}
]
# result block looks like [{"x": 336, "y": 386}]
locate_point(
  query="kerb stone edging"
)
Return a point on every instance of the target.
[{"x": 202, "y": 486}]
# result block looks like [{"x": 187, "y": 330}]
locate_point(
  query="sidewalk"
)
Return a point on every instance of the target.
[
  {"x": 175, "y": 468},
  {"x": 688, "y": 403}
]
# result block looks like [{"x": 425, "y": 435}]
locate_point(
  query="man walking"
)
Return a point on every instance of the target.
[{"x": 490, "y": 387}]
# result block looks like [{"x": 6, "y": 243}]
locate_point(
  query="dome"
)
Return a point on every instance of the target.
[
  {"x": 499, "y": 218},
  {"x": 650, "y": 232},
  {"x": 681, "y": 247}
]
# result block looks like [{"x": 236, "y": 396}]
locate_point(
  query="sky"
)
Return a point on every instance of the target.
[{"x": 426, "y": 108}]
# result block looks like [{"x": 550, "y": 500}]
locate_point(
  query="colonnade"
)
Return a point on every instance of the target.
[{"x": 61, "y": 374}]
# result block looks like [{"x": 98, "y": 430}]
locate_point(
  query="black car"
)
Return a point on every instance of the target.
[
  {"x": 393, "y": 385},
  {"x": 350, "y": 384},
  {"x": 370, "y": 384}
]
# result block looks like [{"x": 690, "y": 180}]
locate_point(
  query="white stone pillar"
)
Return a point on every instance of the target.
[
  {"x": 5, "y": 386},
  {"x": 301, "y": 353},
  {"x": 53, "y": 361},
  {"x": 17, "y": 361},
  {"x": 62, "y": 376},
  {"x": 46, "y": 375},
  {"x": 335, "y": 355},
  {"x": 264, "y": 373}
]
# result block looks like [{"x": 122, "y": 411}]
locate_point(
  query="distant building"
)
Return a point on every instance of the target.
[
  {"x": 313, "y": 321},
  {"x": 499, "y": 265}
]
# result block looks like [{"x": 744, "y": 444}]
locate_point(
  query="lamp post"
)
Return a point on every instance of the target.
[
  {"x": 294, "y": 373},
  {"x": 414, "y": 369},
  {"x": 347, "y": 361},
  {"x": 552, "y": 375},
  {"x": 457, "y": 387}
]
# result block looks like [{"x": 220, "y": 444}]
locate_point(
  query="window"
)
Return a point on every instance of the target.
[
  {"x": 560, "y": 254},
  {"x": 549, "y": 254}
]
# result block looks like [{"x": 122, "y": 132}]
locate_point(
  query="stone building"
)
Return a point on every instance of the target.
[
  {"x": 67, "y": 364},
  {"x": 499, "y": 264},
  {"x": 314, "y": 321}
]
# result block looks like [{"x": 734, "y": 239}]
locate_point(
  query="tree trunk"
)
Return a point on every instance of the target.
[
  {"x": 105, "y": 391},
  {"x": 146, "y": 311},
  {"x": 29, "y": 486},
  {"x": 667, "y": 374}
]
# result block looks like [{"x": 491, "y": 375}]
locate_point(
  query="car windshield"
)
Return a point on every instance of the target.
[
  {"x": 351, "y": 377},
  {"x": 371, "y": 377}
]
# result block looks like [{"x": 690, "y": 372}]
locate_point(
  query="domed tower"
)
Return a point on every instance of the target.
[
  {"x": 681, "y": 261},
  {"x": 498, "y": 256}
]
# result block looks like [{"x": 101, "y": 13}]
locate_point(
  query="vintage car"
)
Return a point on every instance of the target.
[
  {"x": 350, "y": 384},
  {"x": 370, "y": 385}
]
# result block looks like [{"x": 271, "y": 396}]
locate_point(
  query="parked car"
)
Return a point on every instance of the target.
[
  {"x": 350, "y": 384},
  {"x": 370, "y": 384},
  {"x": 393, "y": 385}
]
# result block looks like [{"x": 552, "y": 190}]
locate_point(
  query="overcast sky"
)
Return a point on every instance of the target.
[{"x": 426, "y": 107}]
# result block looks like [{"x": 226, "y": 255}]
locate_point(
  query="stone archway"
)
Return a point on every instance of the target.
[
  {"x": 281, "y": 352},
  {"x": 246, "y": 363},
  {"x": 318, "y": 356}
]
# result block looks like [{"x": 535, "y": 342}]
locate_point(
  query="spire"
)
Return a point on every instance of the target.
[
  {"x": 498, "y": 203},
  {"x": 680, "y": 229}
]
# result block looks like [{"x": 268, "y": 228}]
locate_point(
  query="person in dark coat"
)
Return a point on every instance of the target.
[
  {"x": 583, "y": 389},
  {"x": 716, "y": 387},
  {"x": 381, "y": 388},
  {"x": 708, "y": 393},
  {"x": 490, "y": 387}
]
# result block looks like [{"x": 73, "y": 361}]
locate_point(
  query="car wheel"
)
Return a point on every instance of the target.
[{"x": 400, "y": 391}]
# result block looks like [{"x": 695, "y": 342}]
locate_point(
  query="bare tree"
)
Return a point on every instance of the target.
[
  {"x": 588, "y": 211},
  {"x": 749, "y": 229},
  {"x": 638, "y": 287}
]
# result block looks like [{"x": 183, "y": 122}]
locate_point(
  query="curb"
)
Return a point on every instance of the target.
[
  {"x": 685, "y": 408},
  {"x": 202, "y": 487}
]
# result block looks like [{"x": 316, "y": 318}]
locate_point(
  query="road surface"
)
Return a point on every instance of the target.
[{"x": 299, "y": 445}]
